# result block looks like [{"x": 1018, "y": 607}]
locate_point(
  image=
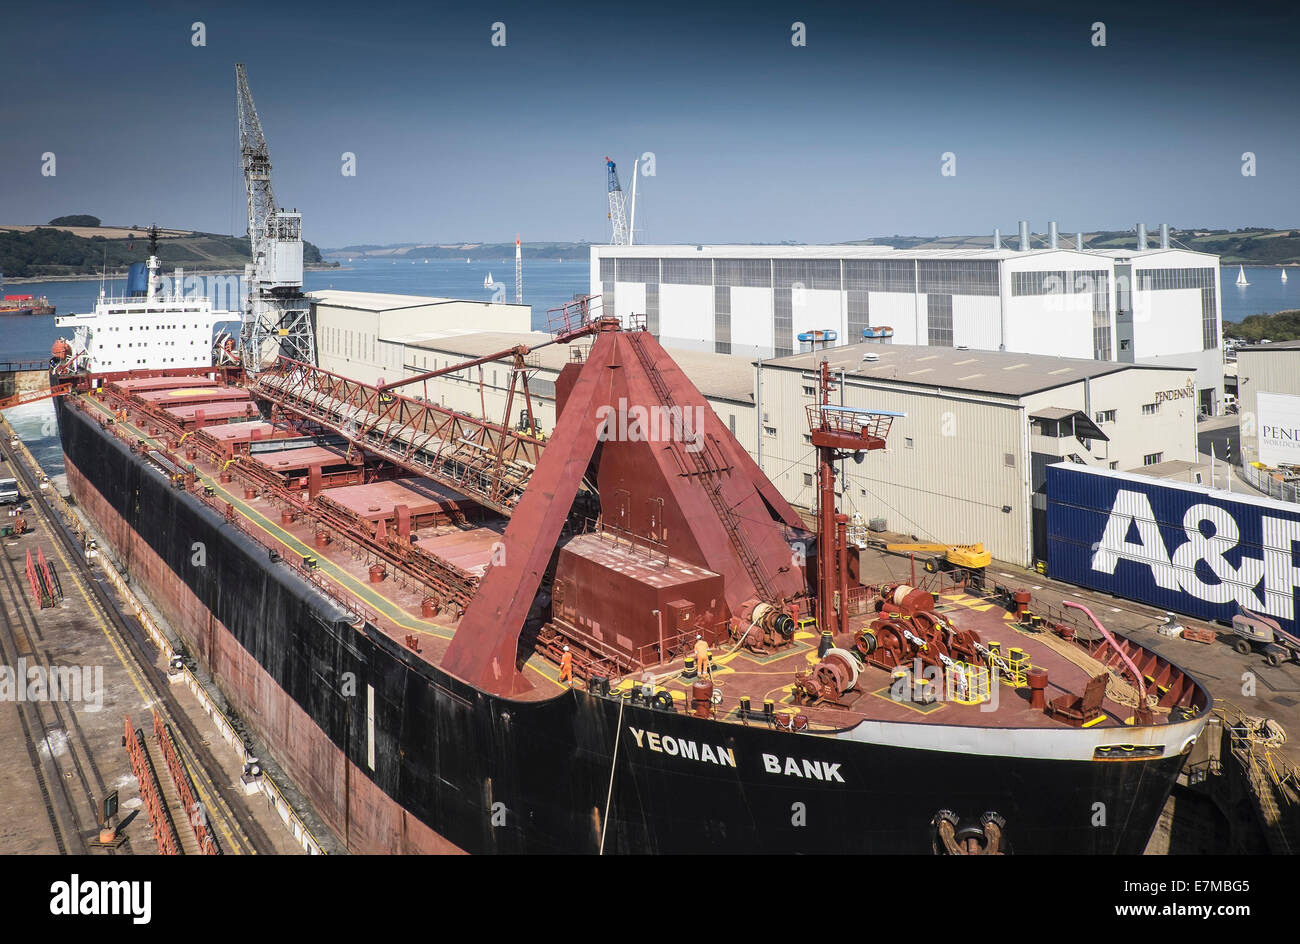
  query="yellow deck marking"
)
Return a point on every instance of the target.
[{"x": 363, "y": 590}]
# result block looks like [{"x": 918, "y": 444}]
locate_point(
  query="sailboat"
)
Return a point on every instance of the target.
[
  {"x": 487, "y": 280},
  {"x": 1241, "y": 275},
  {"x": 1284, "y": 276}
]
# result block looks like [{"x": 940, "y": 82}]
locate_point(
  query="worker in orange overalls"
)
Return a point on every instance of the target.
[
  {"x": 702, "y": 657},
  {"x": 566, "y": 667}
]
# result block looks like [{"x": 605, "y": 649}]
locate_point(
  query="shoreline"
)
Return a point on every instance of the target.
[{"x": 118, "y": 276}]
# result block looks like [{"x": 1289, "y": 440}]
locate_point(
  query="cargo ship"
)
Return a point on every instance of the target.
[
  {"x": 455, "y": 635},
  {"x": 25, "y": 305}
]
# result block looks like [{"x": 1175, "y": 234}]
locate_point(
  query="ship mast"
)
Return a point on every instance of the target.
[
  {"x": 277, "y": 315},
  {"x": 837, "y": 432}
]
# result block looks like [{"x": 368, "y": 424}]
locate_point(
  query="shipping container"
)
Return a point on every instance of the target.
[{"x": 1194, "y": 550}]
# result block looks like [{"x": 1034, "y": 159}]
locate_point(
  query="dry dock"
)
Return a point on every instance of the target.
[{"x": 78, "y": 661}]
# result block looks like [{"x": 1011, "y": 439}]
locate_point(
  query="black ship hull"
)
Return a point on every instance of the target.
[{"x": 396, "y": 755}]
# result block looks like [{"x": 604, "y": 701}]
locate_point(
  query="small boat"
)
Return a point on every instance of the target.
[
  {"x": 487, "y": 280},
  {"x": 1241, "y": 275}
]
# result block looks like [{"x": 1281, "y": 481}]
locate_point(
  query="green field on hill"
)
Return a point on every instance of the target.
[{"x": 46, "y": 251}]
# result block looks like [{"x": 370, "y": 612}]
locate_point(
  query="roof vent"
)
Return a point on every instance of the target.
[
  {"x": 871, "y": 357},
  {"x": 963, "y": 347}
]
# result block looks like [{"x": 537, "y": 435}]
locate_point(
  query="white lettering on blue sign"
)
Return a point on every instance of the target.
[{"x": 1267, "y": 584}]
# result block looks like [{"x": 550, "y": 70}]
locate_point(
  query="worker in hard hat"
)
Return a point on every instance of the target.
[
  {"x": 566, "y": 667},
  {"x": 702, "y": 657}
]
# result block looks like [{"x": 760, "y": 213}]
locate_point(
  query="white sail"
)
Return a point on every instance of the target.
[
  {"x": 1284, "y": 275},
  {"x": 1241, "y": 275},
  {"x": 487, "y": 280}
]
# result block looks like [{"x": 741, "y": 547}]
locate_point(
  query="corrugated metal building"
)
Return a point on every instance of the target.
[
  {"x": 361, "y": 334},
  {"x": 1130, "y": 306},
  {"x": 1273, "y": 371},
  {"x": 968, "y": 462}
]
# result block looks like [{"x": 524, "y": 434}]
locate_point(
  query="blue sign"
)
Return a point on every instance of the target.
[{"x": 1180, "y": 547}]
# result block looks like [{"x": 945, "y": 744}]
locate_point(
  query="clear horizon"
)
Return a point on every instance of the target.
[{"x": 755, "y": 140}]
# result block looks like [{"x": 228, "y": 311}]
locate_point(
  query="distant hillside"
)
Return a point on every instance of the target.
[
  {"x": 1249, "y": 246},
  {"x": 462, "y": 251},
  {"x": 42, "y": 251},
  {"x": 1279, "y": 326}
]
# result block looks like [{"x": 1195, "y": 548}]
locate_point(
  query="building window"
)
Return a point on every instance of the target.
[
  {"x": 1150, "y": 409},
  {"x": 880, "y": 275},
  {"x": 637, "y": 270},
  {"x": 952, "y": 277},
  {"x": 807, "y": 480},
  {"x": 1157, "y": 280},
  {"x": 939, "y": 319},
  {"x": 652, "y": 308},
  {"x": 1209, "y": 320},
  {"x": 809, "y": 391},
  {"x": 1114, "y": 465},
  {"x": 908, "y": 442},
  {"x": 1009, "y": 460},
  {"x": 721, "y": 319},
  {"x": 688, "y": 271},
  {"x": 1101, "y": 348},
  {"x": 749, "y": 273},
  {"x": 782, "y": 322},
  {"x": 1151, "y": 458},
  {"x": 731, "y": 423},
  {"x": 810, "y": 273},
  {"x": 1105, "y": 416},
  {"x": 859, "y": 314},
  {"x": 769, "y": 431}
]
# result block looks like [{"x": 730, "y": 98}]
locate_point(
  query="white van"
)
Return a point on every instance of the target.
[{"x": 9, "y": 492}]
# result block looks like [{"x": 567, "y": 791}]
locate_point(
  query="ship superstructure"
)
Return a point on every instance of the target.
[{"x": 147, "y": 327}]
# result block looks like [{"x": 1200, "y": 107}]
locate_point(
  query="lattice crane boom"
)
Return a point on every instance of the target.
[
  {"x": 277, "y": 315},
  {"x": 617, "y": 206}
]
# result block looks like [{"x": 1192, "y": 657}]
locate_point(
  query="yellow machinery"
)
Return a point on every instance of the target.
[
  {"x": 522, "y": 426},
  {"x": 948, "y": 556}
]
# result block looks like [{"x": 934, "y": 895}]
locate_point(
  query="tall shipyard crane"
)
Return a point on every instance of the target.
[
  {"x": 277, "y": 315},
  {"x": 617, "y": 207}
]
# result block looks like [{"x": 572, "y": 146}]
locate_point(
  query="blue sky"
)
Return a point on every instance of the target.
[{"x": 754, "y": 139}]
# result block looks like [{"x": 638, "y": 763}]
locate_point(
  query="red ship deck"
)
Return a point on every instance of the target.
[
  {"x": 188, "y": 394},
  {"x": 397, "y": 606},
  {"x": 141, "y": 384},
  {"x": 294, "y": 460}
]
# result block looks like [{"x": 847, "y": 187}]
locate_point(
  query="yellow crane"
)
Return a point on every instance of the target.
[{"x": 969, "y": 556}]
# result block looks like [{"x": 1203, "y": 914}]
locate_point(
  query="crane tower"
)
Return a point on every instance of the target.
[
  {"x": 277, "y": 315},
  {"x": 617, "y": 206}
]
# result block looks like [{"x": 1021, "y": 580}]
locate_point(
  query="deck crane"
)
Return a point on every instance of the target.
[
  {"x": 277, "y": 315},
  {"x": 617, "y": 206}
]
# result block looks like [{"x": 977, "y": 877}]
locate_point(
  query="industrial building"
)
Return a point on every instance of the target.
[
  {"x": 1268, "y": 383},
  {"x": 361, "y": 335},
  {"x": 967, "y": 463},
  {"x": 1139, "y": 306}
]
